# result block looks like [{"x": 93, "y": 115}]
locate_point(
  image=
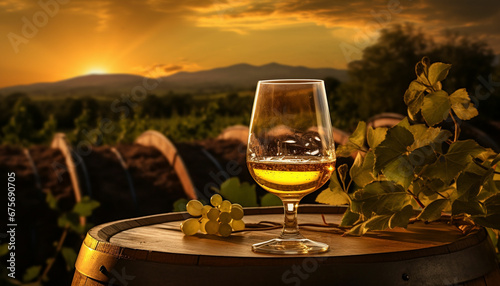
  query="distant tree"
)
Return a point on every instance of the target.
[
  {"x": 342, "y": 109},
  {"x": 83, "y": 125},
  {"x": 48, "y": 130},
  {"x": 8, "y": 102},
  {"x": 178, "y": 104},
  {"x": 153, "y": 106},
  {"x": 487, "y": 95},
  {"x": 470, "y": 59},
  {"x": 19, "y": 130},
  {"x": 131, "y": 128},
  {"x": 71, "y": 108},
  {"x": 235, "y": 105},
  {"x": 378, "y": 80}
]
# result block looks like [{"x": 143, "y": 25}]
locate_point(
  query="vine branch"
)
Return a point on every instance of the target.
[
  {"x": 50, "y": 262},
  {"x": 416, "y": 199},
  {"x": 455, "y": 138}
]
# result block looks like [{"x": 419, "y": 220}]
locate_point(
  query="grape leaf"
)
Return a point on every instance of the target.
[
  {"x": 449, "y": 165},
  {"x": 470, "y": 207},
  {"x": 382, "y": 222},
  {"x": 426, "y": 62},
  {"x": 492, "y": 204},
  {"x": 428, "y": 187},
  {"x": 437, "y": 86},
  {"x": 241, "y": 193},
  {"x": 487, "y": 155},
  {"x": 422, "y": 71},
  {"x": 85, "y": 206},
  {"x": 490, "y": 186},
  {"x": 422, "y": 156},
  {"x": 493, "y": 236},
  {"x": 356, "y": 141},
  {"x": 51, "y": 201},
  {"x": 358, "y": 230},
  {"x": 399, "y": 171},
  {"x": 4, "y": 249},
  {"x": 379, "y": 197},
  {"x": 71, "y": 220},
  {"x": 403, "y": 168},
  {"x": 334, "y": 195},
  {"x": 69, "y": 255},
  {"x": 349, "y": 218},
  {"x": 492, "y": 221},
  {"x": 375, "y": 136},
  {"x": 342, "y": 170},
  {"x": 461, "y": 105},
  {"x": 391, "y": 156},
  {"x": 405, "y": 123},
  {"x": 468, "y": 186},
  {"x": 433, "y": 210},
  {"x": 180, "y": 205},
  {"x": 436, "y": 107},
  {"x": 492, "y": 217},
  {"x": 377, "y": 222},
  {"x": 496, "y": 160},
  {"x": 428, "y": 136},
  {"x": 394, "y": 145},
  {"x": 269, "y": 199},
  {"x": 438, "y": 72},
  {"x": 401, "y": 218},
  {"x": 32, "y": 273},
  {"x": 362, "y": 169},
  {"x": 414, "y": 97}
]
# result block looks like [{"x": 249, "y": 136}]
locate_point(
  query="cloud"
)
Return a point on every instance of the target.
[
  {"x": 244, "y": 16},
  {"x": 172, "y": 68},
  {"x": 434, "y": 17},
  {"x": 100, "y": 11},
  {"x": 13, "y": 5},
  {"x": 159, "y": 70},
  {"x": 273, "y": 14},
  {"x": 175, "y": 6}
]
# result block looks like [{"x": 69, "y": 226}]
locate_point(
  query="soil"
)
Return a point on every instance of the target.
[
  {"x": 155, "y": 181},
  {"x": 36, "y": 228},
  {"x": 200, "y": 158},
  {"x": 107, "y": 184}
]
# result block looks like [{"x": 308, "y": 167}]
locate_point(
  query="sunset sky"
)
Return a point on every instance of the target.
[{"x": 50, "y": 40}]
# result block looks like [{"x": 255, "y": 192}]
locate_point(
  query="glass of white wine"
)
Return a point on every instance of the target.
[{"x": 290, "y": 152}]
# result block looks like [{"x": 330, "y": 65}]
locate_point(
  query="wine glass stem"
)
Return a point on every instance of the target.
[{"x": 290, "y": 226}]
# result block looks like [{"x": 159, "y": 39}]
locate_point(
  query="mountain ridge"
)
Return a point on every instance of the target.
[{"x": 241, "y": 76}]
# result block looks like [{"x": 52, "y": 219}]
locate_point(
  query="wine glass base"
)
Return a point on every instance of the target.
[{"x": 290, "y": 246}]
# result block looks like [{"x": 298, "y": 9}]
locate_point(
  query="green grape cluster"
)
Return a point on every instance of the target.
[{"x": 220, "y": 218}]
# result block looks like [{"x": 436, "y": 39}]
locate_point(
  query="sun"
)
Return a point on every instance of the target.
[{"x": 96, "y": 70}]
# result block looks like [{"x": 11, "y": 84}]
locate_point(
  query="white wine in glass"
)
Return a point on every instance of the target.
[{"x": 290, "y": 152}]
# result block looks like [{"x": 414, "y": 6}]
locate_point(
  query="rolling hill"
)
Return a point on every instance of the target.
[{"x": 232, "y": 78}]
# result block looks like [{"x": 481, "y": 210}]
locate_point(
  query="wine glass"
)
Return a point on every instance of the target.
[{"x": 290, "y": 152}]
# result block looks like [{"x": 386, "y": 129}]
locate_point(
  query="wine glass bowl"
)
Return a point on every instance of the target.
[{"x": 290, "y": 152}]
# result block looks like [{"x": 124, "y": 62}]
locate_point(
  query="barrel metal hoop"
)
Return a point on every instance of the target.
[{"x": 95, "y": 264}]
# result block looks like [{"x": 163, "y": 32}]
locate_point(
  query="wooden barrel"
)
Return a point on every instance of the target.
[
  {"x": 235, "y": 132},
  {"x": 152, "y": 251}
]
